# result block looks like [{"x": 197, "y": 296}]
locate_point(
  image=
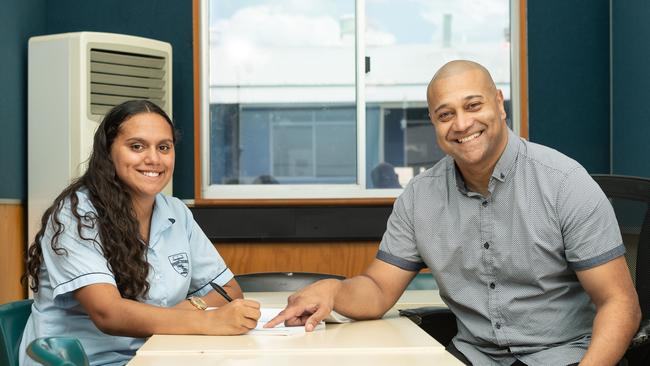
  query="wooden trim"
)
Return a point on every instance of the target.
[
  {"x": 12, "y": 246},
  {"x": 198, "y": 196},
  {"x": 198, "y": 174},
  {"x": 523, "y": 69},
  {"x": 196, "y": 44},
  {"x": 342, "y": 258},
  {"x": 297, "y": 202}
]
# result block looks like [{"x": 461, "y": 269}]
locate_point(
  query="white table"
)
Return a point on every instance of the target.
[
  {"x": 386, "y": 358},
  {"x": 392, "y": 340}
]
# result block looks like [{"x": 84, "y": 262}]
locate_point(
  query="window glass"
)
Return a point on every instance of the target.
[
  {"x": 283, "y": 88},
  {"x": 282, "y": 92},
  {"x": 405, "y": 43}
]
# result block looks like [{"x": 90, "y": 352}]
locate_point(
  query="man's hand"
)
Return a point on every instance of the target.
[
  {"x": 367, "y": 296},
  {"x": 309, "y": 305}
]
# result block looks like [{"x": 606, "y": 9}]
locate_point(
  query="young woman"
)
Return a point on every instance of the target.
[{"x": 116, "y": 261}]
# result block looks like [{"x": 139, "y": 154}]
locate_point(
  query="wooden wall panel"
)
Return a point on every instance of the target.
[
  {"x": 344, "y": 258},
  {"x": 12, "y": 249}
]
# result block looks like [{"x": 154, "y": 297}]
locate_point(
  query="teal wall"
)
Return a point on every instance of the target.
[
  {"x": 568, "y": 56},
  {"x": 631, "y": 87},
  {"x": 569, "y": 62},
  {"x": 19, "y": 20},
  {"x": 165, "y": 20},
  {"x": 568, "y": 78}
]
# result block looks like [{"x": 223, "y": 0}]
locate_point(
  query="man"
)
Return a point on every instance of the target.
[{"x": 522, "y": 242}]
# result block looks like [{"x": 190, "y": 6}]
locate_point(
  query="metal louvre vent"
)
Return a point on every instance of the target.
[{"x": 116, "y": 77}]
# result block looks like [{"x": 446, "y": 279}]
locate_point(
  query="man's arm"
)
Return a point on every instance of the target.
[
  {"x": 367, "y": 296},
  {"x": 617, "y": 311}
]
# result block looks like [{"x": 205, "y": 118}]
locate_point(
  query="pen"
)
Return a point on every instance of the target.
[{"x": 221, "y": 291}]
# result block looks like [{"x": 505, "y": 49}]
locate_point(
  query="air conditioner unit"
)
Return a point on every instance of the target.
[{"x": 73, "y": 80}]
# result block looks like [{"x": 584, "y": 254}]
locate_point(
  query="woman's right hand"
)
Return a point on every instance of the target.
[{"x": 236, "y": 317}]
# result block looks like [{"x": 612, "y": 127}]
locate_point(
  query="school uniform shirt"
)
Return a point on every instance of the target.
[
  {"x": 182, "y": 262},
  {"x": 505, "y": 264}
]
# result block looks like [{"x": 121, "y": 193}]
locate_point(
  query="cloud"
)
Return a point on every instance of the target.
[
  {"x": 376, "y": 37},
  {"x": 271, "y": 26},
  {"x": 472, "y": 20},
  {"x": 292, "y": 23}
]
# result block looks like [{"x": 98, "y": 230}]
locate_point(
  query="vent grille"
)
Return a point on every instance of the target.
[{"x": 116, "y": 77}]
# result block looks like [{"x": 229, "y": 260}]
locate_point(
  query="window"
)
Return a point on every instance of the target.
[{"x": 327, "y": 98}]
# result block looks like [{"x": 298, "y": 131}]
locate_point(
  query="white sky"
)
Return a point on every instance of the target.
[
  {"x": 317, "y": 22},
  {"x": 304, "y": 43}
]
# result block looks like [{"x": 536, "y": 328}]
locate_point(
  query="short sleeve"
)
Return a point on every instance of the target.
[
  {"x": 589, "y": 228},
  {"x": 80, "y": 262},
  {"x": 398, "y": 245},
  {"x": 207, "y": 264}
]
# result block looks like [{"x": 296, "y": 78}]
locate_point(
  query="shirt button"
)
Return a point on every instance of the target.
[
  {"x": 502, "y": 175},
  {"x": 486, "y": 245},
  {"x": 498, "y": 325},
  {"x": 484, "y": 203},
  {"x": 492, "y": 285}
]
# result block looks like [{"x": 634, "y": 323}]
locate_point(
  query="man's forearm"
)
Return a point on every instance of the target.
[
  {"x": 361, "y": 298},
  {"x": 614, "y": 326}
]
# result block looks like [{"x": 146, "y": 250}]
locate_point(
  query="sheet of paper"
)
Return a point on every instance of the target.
[
  {"x": 335, "y": 317},
  {"x": 279, "y": 330}
]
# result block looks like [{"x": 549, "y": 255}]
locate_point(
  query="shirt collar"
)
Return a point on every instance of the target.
[
  {"x": 163, "y": 218},
  {"x": 508, "y": 157},
  {"x": 460, "y": 182},
  {"x": 501, "y": 170}
]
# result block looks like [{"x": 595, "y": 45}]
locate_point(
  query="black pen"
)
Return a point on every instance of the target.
[{"x": 221, "y": 291}]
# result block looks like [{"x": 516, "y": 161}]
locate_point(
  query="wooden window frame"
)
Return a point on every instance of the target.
[{"x": 199, "y": 200}]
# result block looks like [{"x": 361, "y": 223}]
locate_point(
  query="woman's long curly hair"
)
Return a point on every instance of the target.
[{"x": 114, "y": 220}]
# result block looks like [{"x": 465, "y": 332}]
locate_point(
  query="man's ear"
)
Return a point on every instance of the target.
[{"x": 501, "y": 104}]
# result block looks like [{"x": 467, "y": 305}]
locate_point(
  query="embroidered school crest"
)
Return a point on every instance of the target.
[{"x": 180, "y": 263}]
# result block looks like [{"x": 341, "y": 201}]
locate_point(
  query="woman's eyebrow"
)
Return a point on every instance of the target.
[{"x": 140, "y": 139}]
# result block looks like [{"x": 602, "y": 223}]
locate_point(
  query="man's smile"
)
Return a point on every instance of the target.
[{"x": 469, "y": 138}]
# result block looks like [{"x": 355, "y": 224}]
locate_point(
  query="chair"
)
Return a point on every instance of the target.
[
  {"x": 57, "y": 351},
  {"x": 280, "y": 281},
  {"x": 438, "y": 322},
  {"x": 630, "y": 197},
  {"x": 13, "y": 317}
]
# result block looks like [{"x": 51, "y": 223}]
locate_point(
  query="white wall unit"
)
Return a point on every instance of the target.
[{"x": 73, "y": 79}]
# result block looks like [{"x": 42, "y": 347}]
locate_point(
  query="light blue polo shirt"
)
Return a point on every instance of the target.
[{"x": 183, "y": 262}]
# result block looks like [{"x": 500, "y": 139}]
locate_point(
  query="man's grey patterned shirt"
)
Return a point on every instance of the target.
[{"x": 505, "y": 264}]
